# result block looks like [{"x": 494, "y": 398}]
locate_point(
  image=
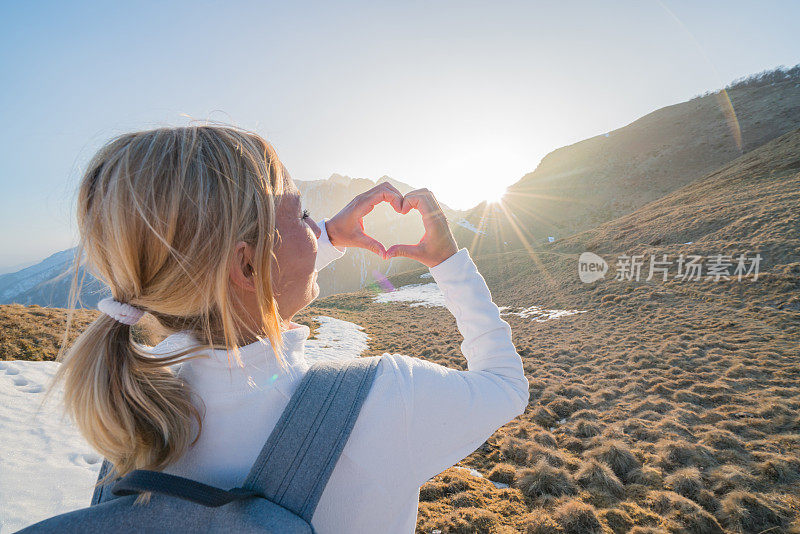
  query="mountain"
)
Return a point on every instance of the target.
[
  {"x": 16, "y": 267},
  {"x": 580, "y": 186},
  {"x": 48, "y": 282},
  {"x": 24, "y": 280}
]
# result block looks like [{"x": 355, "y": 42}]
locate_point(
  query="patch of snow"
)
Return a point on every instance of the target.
[
  {"x": 46, "y": 467},
  {"x": 472, "y": 471},
  {"x": 469, "y": 226},
  {"x": 550, "y": 239},
  {"x": 430, "y": 295},
  {"x": 425, "y": 275},
  {"x": 476, "y": 473},
  {"x": 415, "y": 294},
  {"x": 537, "y": 313},
  {"x": 336, "y": 340}
]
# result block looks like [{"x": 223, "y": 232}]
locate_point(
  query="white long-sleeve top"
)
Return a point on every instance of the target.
[{"x": 418, "y": 419}]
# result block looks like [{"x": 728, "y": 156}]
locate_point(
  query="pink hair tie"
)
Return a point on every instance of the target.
[{"x": 122, "y": 312}]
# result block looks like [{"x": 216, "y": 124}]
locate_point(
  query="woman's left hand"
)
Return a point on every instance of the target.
[{"x": 346, "y": 228}]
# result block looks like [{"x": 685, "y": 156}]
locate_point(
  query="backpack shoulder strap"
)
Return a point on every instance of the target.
[
  {"x": 102, "y": 492},
  {"x": 299, "y": 456}
]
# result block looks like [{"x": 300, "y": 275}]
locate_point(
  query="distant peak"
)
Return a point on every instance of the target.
[{"x": 339, "y": 179}]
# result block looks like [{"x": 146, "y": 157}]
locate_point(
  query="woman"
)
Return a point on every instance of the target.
[{"x": 202, "y": 228}]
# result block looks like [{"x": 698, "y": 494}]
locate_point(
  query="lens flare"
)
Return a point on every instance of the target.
[
  {"x": 381, "y": 283},
  {"x": 722, "y": 96},
  {"x": 726, "y": 105}
]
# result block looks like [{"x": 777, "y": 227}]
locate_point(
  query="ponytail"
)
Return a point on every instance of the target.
[{"x": 127, "y": 404}]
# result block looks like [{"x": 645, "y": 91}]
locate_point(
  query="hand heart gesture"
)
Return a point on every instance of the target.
[{"x": 346, "y": 228}]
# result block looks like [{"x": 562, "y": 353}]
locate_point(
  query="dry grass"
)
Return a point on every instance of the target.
[
  {"x": 597, "y": 477},
  {"x": 540, "y": 522},
  {"x": 576, "y": 517},
  {"x": 747, "y": 512},
  {"x": 544, "y": 480},
  {"x": 34, "y": 333}
]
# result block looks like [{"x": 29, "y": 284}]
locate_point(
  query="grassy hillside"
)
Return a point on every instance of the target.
[
  {"x": 748, "y": 206},
  {"x": 580, "y": 186},
  {"x": 747, "y": 203}
]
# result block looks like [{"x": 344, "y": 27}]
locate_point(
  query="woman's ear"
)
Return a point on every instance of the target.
[{"x": 242, "y": 267}]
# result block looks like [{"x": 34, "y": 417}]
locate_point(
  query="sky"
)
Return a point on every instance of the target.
[{"x": 463, "y": 98}]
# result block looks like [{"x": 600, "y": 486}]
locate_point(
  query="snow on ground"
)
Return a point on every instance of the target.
[
  {"x": 430, "y": 295},
  {"x": 537, "y": 313},
  {"x": 476, "y": 473},
  {"x": 336, "y": 340},
  {"x": 425, "y": 275},
  {"x": 415, "y": 295},
  {"x": 46, "y": 467},
  {"x": 469, "y": 226}
]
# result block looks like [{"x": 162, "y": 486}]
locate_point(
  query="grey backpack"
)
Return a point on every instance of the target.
[{"x": 281, "y": 491}]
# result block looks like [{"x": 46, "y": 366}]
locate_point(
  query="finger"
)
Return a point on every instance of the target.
[
  {"x": 373, "y": 245},
  {"x": 413, "y": 200},
  {"x": 397, "y": 203},
  {"x": 376, "y": 195},
  {"x": 423, "y": 201},
  {"x": 403, "y": 251}
]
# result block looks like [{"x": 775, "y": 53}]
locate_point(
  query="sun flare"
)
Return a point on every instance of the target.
[{"x": 495, "y": 195}]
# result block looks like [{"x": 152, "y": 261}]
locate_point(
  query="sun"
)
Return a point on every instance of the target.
[{"x": 495, "y": 195}]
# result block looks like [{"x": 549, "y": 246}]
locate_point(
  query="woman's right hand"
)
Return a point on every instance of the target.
[{"x": 438, "y": 243}]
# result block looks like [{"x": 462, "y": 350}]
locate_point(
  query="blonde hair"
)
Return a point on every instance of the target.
[{"x": 159, "y": 213}]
